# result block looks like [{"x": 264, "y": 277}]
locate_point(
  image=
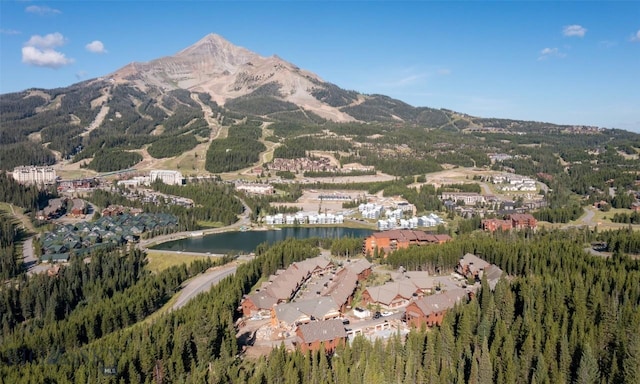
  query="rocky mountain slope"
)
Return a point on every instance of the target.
[
  {"x": 227, "y": 72},
  {"x": 180, "y": 102}
]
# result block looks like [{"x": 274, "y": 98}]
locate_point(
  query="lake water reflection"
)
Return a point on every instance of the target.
[{"x": 246, "y": 242}]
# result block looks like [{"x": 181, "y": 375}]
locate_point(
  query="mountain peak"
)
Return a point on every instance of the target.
[
  {"x": 227, "y": 71},
  {"x": 216, "y": 46}
]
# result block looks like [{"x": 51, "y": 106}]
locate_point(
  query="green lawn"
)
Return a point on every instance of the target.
[
  {"x": 18, "y": 213},
  {"x": 159, "y": 261}
]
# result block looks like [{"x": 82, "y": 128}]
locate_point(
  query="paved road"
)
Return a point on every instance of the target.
[
  {"x": 486, "y": 189},
  {"x": 588, "y": 217},
  {"x": 29, "y": 259},
  {"x": 203, "y": 283}
]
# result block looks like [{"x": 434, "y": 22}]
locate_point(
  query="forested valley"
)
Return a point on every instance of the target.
[{"x": 562, "y": 315}]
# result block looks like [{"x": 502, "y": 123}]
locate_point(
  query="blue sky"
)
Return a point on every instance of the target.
[{"x": 564, "y": 62}]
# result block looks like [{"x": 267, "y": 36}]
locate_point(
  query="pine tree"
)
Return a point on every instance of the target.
[
  {"x": 485, "y": 370},
  {"x": 631, "y": 361},
  {"x": 588, "y": 372}
]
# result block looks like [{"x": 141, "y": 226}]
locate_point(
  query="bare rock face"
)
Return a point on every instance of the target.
[{"x": 225, "y": 71}]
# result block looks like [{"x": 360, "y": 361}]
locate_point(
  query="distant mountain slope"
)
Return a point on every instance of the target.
[
  {"x": 143, "y": 103},
  {"x": 225, "y": 71}
]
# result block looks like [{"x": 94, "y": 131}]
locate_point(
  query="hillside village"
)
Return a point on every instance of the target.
[
  {"x": 487, "y": 250},
  {"x": 108, "y": 231},
  {"x": 114, "y": 228},
  {"x": 312, "y": 302}
]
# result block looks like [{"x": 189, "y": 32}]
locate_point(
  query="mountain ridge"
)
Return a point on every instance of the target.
[
  {"x": 189, "y": 96},
  {"x": 225, "y": 71}
]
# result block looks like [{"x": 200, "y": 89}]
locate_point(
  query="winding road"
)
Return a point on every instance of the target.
[
  {"x": 588, "y": 217},
  {"x": 203, "y": 283}
]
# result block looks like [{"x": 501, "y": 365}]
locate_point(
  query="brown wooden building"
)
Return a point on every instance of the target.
[
  {"x": 330, "y": 333},
  {"x": 389, "y": 241},
  {"x": 430, "y": 310},
  {"x": 493, "y": 225},
  {"x": 523, "y": 221}
]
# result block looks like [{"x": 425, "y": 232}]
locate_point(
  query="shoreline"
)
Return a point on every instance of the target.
[
  {"x": 150, "y": 252},
  {"x": 146, "y": 244}
]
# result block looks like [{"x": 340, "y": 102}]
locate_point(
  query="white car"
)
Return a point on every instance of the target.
[{"x": 386, "y": 313}]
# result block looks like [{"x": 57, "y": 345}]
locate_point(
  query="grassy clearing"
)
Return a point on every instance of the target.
[
  {"x": 159, "y": 261},
  {"x": 606, "y": 216},
  {"x": 600, "y": 219},
  {"x": 18, "y": 213},
  {"x": 76, "y": 173},
  {"x": 603, "y": 219}
]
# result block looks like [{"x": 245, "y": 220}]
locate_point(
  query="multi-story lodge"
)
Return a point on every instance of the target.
[
  {"x": 330, "y": 333},
  {"x": 516, "y": 221},
  {"x": 469, "y": 198},
  {"x": 255, "y": 188},
  {"x": 523, "y": 221},
  {"x": 389, "y": 241},
  {"x": 430, "y": 310},
  {"x": 493, "y": 225},
  {"x": 34, "y": 175},
  {"x": 167, "y": 177},
  {"x": 473, "y": 267}
]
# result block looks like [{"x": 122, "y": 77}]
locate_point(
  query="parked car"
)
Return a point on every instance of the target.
[
  {"x": 377, "y": 315},
  {"x": 386, "y": 313}
]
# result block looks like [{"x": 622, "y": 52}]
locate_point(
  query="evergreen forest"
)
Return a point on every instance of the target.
[{"x": 561, "y": 316}]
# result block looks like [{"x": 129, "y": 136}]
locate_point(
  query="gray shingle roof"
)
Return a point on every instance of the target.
[
  {"x": 358, "y": 266},
  {"x": 316, "y": 308},
  {"x": 262, "y": 300},
  {"x": 440, "y": 302},
  {"x": 474, "y": 263},
  {"x": 322, "y": 331},
  {"x": 385, "y": 294}
]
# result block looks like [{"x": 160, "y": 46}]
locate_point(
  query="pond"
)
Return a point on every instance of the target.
[{"x": 246, "y": 242}]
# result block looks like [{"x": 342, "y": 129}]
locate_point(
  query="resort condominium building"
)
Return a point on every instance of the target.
[
  {"x": 167, "y": 177},
  {"x": 34, "y": 175}
]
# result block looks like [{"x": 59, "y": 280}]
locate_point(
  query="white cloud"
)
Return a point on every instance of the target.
[
  {"x": 39, "y": 51},
  {"x": 444, "y": 72},
  {"x": 9, "y": 32},
  {"x": 95, "y": 46},
  {"x": 42, "y": 10},
  {"x": 44, "y": 57},
  {"x": 550, "y": 52},
  {"x": 636, "y": 37},
  {"x": 48, "y": 41},
  {"x": 574, "y": 30}
]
